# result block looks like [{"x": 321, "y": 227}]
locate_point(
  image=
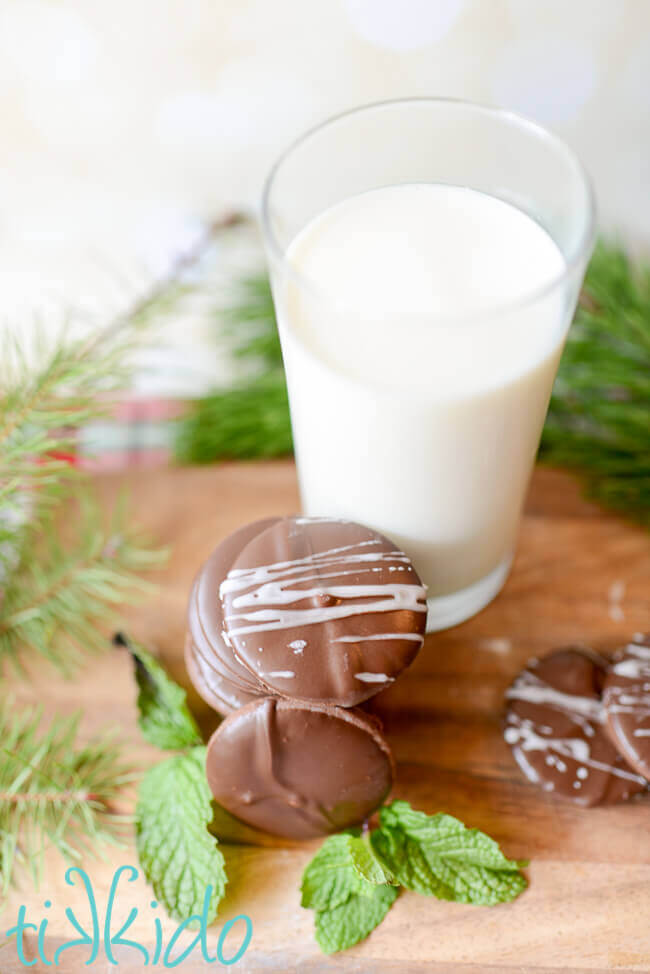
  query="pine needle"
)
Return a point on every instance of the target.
[
  {"x": 60, "y": 592},
  {"x": 56, "y": 585},
  {"x": 54, "y": 792},
  {"x": 251, "y": 419},
  {"x": 42, "y": 404},
  {"x": 599, "y": 418}
]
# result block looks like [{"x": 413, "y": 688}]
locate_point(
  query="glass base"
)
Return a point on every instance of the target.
[{"x": 446, "y": 611}]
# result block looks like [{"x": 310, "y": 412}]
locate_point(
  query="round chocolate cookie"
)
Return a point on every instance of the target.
[
  {"x": 626, "y": 699},
  {"x": 555, "y": 726},
  {"x": 216, "y": 673},
  {"x": 217, "y": 691},
  {"x": 320, "y": 609},
  {"x": 298, "y": 770}
]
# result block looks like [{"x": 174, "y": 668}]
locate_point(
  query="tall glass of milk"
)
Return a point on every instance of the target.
[{"x": 426, "y": 257}]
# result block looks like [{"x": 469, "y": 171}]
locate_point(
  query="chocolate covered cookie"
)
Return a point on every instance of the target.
[
  {"x": 555, "y": 727},
  {"x": 218, "y": 676},
  {"x": 217, "y": 691},
  {"x": 626, "y": 699},
  {"x": 312, "y": 609},
  {"x": 299, "y": 770}
]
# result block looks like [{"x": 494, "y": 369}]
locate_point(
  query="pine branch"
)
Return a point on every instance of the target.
[
  {"x": 599, "y": 418},
  {"x": 54, "y": 792},
  {"x": 73, "y": 381},
  {"x": 41, "y": 406},
  {"x": 251, "y": 419},
  {"x": 248, "y": 421},
  {"x": 64, "y": 574},
  {"x": 62, "y": 596},
  {"x": 249, "y": 322}
]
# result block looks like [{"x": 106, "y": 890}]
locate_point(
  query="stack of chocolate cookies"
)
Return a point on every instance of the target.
[
  {"x": 579, "y": 725},
  {"x": 293, "y": 623}
]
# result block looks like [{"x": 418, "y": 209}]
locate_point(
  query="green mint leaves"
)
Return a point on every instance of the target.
[
  {"x": 437, "y": 856},
  {"x": 353, "y": 920},
  {"x": 165, "y": 719},
  {"x": 178, "y": 855},
  {"x": 348, "y": 888},
  {"x": 351, "y": 883},
  {"x": 342, "y": 867}
]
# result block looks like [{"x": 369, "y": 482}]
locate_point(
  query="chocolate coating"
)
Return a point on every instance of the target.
[
  {"x": 298, "y": 770},
  {"x": 216, "y": 673},
  {"x": 555, "y": 726},
  {"x": 321, "y": 610},
  {"x": 217, "y": 691},
  {"x": 626, "y": 699}
]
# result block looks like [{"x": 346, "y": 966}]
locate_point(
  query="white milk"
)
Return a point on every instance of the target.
[{"x": 419, "y": 371}]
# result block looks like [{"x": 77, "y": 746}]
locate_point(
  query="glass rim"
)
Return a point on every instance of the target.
[{"x": 571, "y": 264}]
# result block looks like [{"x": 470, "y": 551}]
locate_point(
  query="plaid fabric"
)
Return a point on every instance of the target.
[{"x": 137, "y": 433}]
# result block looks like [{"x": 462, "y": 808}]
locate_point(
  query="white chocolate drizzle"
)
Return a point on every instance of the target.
[
  {"x": 414, "y": 637},
  {"x": 373, "y": 678},
  {"x": 581, "y": 710},
  {"x": 632, "y": 698},
  {"x": 522, "y": 735},
  {"x": 271, "y": 586}
]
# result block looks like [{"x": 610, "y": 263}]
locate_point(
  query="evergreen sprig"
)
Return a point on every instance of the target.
[
  {"x": 250, "y": 419},
  {"x": 248, "y": 319},
  {"x": 65, "y": 571},
  {"x": 55, "y": 792},
  {"x": 64, "y": 567},
  {"x": 65, "y": 585},
  {"x": 599, "y": 419},
  {"x": 45, "y": 394}
]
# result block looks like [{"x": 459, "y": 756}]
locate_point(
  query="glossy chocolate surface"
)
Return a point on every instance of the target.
[
  {"x": 298, "y": 770},
  {"x": 626, "y": 698},
  {"x": 312, "y": 609},
  {"x": 555, "y": 725}
]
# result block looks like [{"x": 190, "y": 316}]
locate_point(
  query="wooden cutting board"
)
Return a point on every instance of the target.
[{"x": 580, "y": 576}]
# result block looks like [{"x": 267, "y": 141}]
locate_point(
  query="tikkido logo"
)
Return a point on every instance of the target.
[{"x": 96, "y": 936}]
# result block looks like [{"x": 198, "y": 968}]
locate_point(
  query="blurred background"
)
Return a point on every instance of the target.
[{"x": 127, "y": 126}]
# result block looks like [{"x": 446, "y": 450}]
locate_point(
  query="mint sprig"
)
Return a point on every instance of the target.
[
  {"x": 341, "y": 868},
  {"x": 164, "y": 717},
  {"x": 351, "y": 883},
  {"x": 178, "y": 855},
  {"x": 353, "y": 920},
  {"x": 174, "y": 811},
  {"x": 436, "y": 855},
  {"x": 349, "y": 890}
]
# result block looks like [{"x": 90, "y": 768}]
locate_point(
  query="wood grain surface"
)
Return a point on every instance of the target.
[{"x": 580, "y": 576}]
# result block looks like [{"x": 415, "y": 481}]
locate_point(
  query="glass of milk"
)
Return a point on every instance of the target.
[{"x": 426, "y": 257}]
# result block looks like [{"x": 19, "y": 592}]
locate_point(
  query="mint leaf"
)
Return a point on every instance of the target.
[
  {"x": 353, "y": 920},
  {"x": 331, "y": 878},
  {"x": 178, "y": 855},
  {"x": 437, "y": 856},
  {"x": 366, "y": 864},
  {"x": 348, "y": 888},
  {"x": 165, "y": 719}
]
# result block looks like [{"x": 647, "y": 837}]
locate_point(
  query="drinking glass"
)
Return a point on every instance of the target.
[{"x": 440, "y": 466}]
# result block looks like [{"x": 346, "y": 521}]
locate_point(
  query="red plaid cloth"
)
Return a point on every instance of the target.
[{"x": 136, "y": 433}]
